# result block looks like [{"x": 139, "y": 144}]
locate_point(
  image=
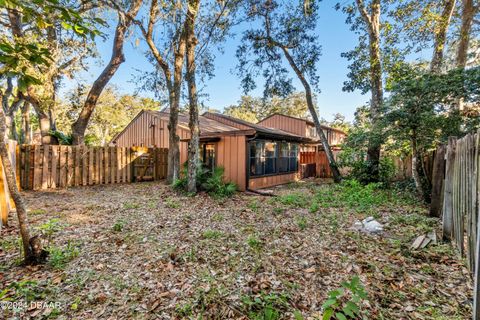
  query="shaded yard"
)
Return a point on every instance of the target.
[{"x": 143, "y": 251}]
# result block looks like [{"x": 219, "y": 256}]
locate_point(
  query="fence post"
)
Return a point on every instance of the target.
[
  {"x": 437, "y": 182},
  {"x": 476, "y": 212},
  {"x": 448, "y": 190}
]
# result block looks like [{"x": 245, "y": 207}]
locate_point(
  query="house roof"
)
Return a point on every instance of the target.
[
  {"x": 206, "y": 125},
  {"x": 310, "y": 122},
  {"x": 259, "y": 129},
  {"x": 210, "y": 127}
]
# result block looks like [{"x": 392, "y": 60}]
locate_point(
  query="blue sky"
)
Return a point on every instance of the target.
[{"x": 224, "y": 89}]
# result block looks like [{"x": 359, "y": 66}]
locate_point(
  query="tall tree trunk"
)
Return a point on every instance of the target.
[
  {"x": 372, "y": 22},
  {"x": 26, "y": 127},
  {"x": 31, "y": 245},
  {"x": 416, "y": 167},
  {"x": 313, "y": 112},
  {"x": 468, "y": 12},
  {"x": 173, "y": 84},
  {"x": 441, "y": 36},
  {"x": 173, "y": 172},
  {"x": 43, "y": 118},
  {"x": 124, "y": 21},
  {"x": 193, "y": 147}
]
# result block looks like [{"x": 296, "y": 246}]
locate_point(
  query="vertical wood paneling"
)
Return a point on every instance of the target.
[{"x": 45, "y": 167}]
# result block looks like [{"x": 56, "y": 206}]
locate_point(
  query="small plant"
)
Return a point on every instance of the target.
[
  {"x": 254, "y": 243},
  {"x": 212, "y": 234},
  {"x": 314, "y": 207},
  {"x": 172, "y": 203},
  {"x": 278, "y": 210},
  {"x": 210, "y": 181},
  {"x": 302, "y": 223},
  {"x": 119, "y": 225},
  {"x": 58, "y": 257},
  {"x": 253, "y": 205},
  {"x": 28, "y": 290},
  {"x": 297, "y": 200},
  {"x": 344, "y": 303},
  {"x": 265, "y": 306},
  {"x": 37, "y": 212},
  {"x": 49, "y": 228},
  {"x": 128, "y": 205}
]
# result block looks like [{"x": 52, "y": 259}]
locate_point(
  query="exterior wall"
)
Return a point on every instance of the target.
[
  {"x": 231, "y": 154},
  {"x": 295, "y": 126},
  {"x": 270, "y": 181},
  {"x": 141, "y": 133},
  {"x": 226, "y": 121},
  {"x": 302, "y": 128},
  {"x": 334, "y": 137}
]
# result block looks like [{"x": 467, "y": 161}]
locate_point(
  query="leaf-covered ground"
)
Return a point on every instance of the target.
[{"x": 142, "y": 251}]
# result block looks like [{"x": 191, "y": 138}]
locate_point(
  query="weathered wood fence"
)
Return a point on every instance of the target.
[
  {"x": 456, "y": 187},
  {"x": 319, "y": 158},
  {"x": 49, "y": 167}
]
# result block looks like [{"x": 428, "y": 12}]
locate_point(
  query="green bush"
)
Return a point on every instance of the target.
[
  {"x": 210, "y": 181},
  {"x": 360, "y": 169}
]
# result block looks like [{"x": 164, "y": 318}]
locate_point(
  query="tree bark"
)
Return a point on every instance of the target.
[
  {"x": 124, "y": 21},
  {"x": 372, "y": 21},
  {"x": 43, "y": 118},
  {"x": 441, "y": 36},
  {"x": 33, "y": 252},
  {"x": 173, "y": 84},
  {"x": 468, "y": 12},
  {"x": 415, "y": 168},
  {"x": 313, "y": 112},
  {"x": 26, "y": 128},
  {"x": 193, "y": 147}
]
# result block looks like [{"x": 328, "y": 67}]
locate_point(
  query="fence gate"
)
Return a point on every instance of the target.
[{"x": 149, "y": 164}]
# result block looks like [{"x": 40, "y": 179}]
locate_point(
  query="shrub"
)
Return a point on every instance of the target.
[
  {"x": 210, "y": 181},
  {"x": 360, "y": 169},
  {"x": 345, "y": 302}
]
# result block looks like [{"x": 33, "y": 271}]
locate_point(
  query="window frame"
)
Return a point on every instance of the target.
[{"x": 276, "y": 158}]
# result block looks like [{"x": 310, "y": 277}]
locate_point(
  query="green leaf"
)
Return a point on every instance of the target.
[
  {"x": 327, "y": 314},
  {"x": 298, "y": 315},
  {"x": 340, "y": 316},
  {"x": 328, "y": 303},
  {"x": 352, "y": 306}
]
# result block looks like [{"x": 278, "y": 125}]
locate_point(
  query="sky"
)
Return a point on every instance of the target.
[{"x": 224, "y": 89}]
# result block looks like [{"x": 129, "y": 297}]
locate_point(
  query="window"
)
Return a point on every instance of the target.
[
  {"x": 207, "y": 155},
  {"x": 268, "y": 157}
]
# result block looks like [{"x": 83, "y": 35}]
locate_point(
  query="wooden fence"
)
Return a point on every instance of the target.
[
  {"x": 456, "y": 178},
  {"x": 321, "y": 161},
  {"x": 49, "y": 167}
]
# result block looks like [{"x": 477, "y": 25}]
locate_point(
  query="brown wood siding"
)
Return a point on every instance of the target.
[
  {"x": 140, "y": 133},
  {"x": 231, "y": 154},
  {"x": 295, "y": 126},
  {"x": 226, "y": 121},
  {"x": 270, "y": 181}
]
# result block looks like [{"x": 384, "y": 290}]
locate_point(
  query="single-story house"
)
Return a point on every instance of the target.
[{"x": 254, "y": 156}]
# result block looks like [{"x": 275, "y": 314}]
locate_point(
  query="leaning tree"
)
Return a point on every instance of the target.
[
  {"x": 283, "y": 33},
  {"x": 20, "y": 59}
]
